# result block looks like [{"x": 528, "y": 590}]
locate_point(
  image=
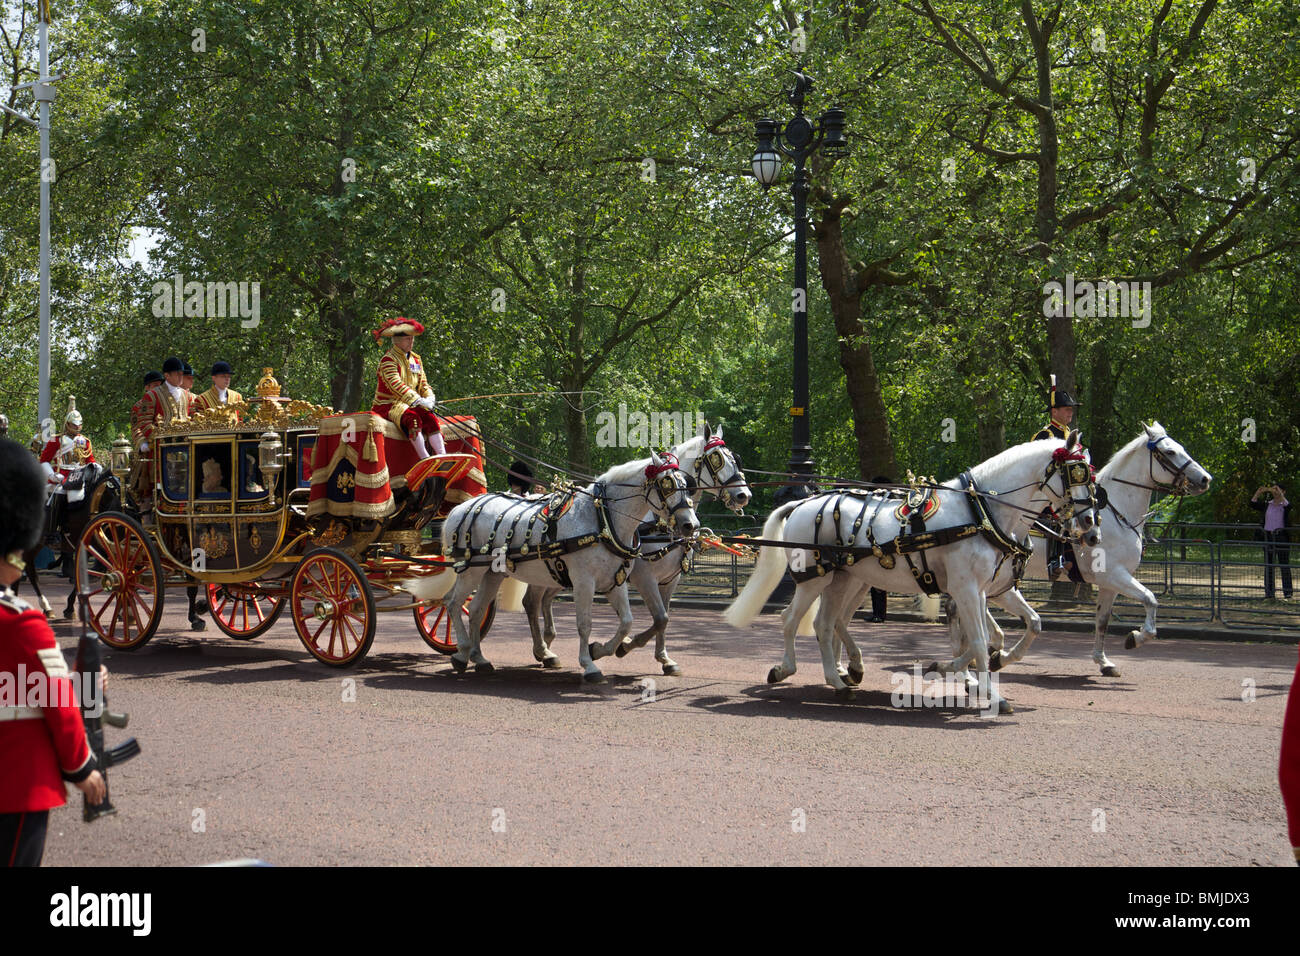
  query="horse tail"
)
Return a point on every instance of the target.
[
  {"x": 431, "y": 587},
  {"x": 767, "y": 571},
  {"x": 511, "y": 596}
]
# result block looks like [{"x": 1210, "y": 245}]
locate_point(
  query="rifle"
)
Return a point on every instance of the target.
[{"x": 94, "y": 708}]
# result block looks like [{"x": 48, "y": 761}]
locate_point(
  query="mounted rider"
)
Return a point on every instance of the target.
[
  {"x": 1060, "y": 410},
  {"x": 61, "y": 459},
  {"x": 402, "y": 393}
]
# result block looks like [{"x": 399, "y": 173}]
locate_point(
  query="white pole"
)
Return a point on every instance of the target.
[{"x": 43, "y": 95}]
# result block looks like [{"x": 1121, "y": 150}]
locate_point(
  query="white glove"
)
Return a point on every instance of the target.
[
  {"x": 426, "y": 402},
  {"x": 144, "y": 446}
]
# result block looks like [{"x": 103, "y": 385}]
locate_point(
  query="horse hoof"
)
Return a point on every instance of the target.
[
  {"x": 673, "y": 670},
  {"x": 844, "y": 693},
  {"x": 931, "y": 668},
  {"x": 1131, "y": 642},
  {"x": 198, "y": 624},
  {"x": 773, "y": 677},
  {"x": 551, "y": 663},
  {"x": 67, "y": 615},
  {"x": 484, "y": 668},
  {"x": 201, "y": 606},
  {"x": 623, "y": 649},
  {"x": 459, "y": 664},
  {"x": 995, "y": 661},
  {"x": 1004, "y": 707},
  {"x": 1110, "y": 670},
  {"x": 855, "y": 676},
  {"x": 596, "y": 678}
]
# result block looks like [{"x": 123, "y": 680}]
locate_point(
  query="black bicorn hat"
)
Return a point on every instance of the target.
[
  {"x": 151, "y": 377},
  {"x": 221, "y": 368},
  {"x": 22, "y": 498},
  {"x": 173, "y": 364},
  {"x": 520, "y": 474},
  {"x": 1064, "y": 398}
]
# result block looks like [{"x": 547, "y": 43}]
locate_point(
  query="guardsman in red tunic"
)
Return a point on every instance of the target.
[
  {"x": 42, "y": 737},
  {"x": 402, "y": 394}
]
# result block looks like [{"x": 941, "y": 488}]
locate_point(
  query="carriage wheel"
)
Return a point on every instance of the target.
[
  {"x": 333, "y": 608},
  {"x": 244, "y": 611},
  {"x": 125, "y": 576},
  {"x": 435, "y": 627}
]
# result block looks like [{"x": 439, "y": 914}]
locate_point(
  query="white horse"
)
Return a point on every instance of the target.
[
  {"x": 1151, "y": 460},
  {"x": 981, "y": 520},
  {"x": 656, "y": 572},
  {"x": 591, "y": 544}
]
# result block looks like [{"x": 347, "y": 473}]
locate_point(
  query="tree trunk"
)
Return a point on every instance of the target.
[
  {"x": 575, "y": 417},
  {"x": 990, "y": 427},
  {"x": 870, "y": 419},
  {"x": 347, "y": 357},
  {"x": 1100, "y": 437}
]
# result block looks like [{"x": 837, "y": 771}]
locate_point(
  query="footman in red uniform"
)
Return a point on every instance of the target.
[
  {"x": 41, "y": 744},
  {"x": 402, "y": 394}
]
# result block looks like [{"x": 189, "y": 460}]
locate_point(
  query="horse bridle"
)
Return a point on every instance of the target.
[
  {"x": 667, "y": 479},
  {"x": 1075, "y": 472},
  {"x": 713, "y": 460}
]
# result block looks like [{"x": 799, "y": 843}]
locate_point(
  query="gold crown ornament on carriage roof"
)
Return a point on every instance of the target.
[{"x": 267, "y": 386}]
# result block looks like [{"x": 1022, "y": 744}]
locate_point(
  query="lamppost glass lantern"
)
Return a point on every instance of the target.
[{"x": 766, "y": 162}]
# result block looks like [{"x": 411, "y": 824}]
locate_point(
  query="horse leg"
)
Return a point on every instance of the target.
[
  {"x": 670, "y": 666},
  {"x": 533, "y": 598},
  {"x": 973, "y": 611},
  {"x": 1015, "y": 602},
  {"x": 466, "y": 583},
  {"x": 621, "y": 603},
  {"x": 548, "y": 618},
  {"x": 833, "y": 597},
  {"x": 584, "y": 592},
  {"x": 854, "y": 673},
  {"x": 1105, "y": 604},
  {"x": 196, "y": 622},
  {"x": 805, "y": 593},
  {"x": 1124, "y": 582},
  {"x": 647, "y": 584},
  {"x": 36, "y": 586}
]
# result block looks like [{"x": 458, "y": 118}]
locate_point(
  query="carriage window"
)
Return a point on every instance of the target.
[
  {"x": 176, "y": 473},
  {"x": 306, "y": 447},
  {"x": 212, "y": 476},
  {"x": 250, "y": 476}
]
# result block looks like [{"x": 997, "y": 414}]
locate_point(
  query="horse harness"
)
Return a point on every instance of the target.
[
  {"x": 552, "y": 550},
  {"x": 912, "y": 539}
]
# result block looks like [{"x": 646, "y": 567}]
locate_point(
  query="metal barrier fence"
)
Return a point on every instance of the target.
[{"x": 1195, "y": 579}]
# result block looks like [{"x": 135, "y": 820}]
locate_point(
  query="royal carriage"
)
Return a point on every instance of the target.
[{"x": 275, "y": 504}]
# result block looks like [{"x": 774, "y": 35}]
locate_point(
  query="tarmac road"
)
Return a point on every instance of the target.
[{"x": 251, "y": 750}]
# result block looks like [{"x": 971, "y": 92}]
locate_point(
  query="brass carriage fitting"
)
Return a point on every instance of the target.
[
  {"x": 269, "y": 460},
  {"x": 119, "y": 460}
]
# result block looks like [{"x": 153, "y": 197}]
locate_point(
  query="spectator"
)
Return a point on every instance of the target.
[{"x": 1277, "y": 550}]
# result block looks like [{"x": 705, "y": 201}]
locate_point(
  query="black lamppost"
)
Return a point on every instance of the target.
[{"x": 798, "y": 141}]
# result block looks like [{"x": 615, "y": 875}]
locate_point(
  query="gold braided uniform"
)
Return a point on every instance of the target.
[{"x": 400, "y": 382}]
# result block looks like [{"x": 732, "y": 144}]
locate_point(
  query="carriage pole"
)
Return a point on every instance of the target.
[{"x": 799, "y": 140}]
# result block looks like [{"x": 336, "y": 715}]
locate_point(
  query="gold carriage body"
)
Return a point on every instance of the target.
[{"x": 231, "y": 512}]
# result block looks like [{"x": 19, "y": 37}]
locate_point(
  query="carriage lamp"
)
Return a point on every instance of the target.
[
  {"x": 119, "y": 460},
  {"x": 798, "y": 141},
  {"x": 269, "y": 460}
]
